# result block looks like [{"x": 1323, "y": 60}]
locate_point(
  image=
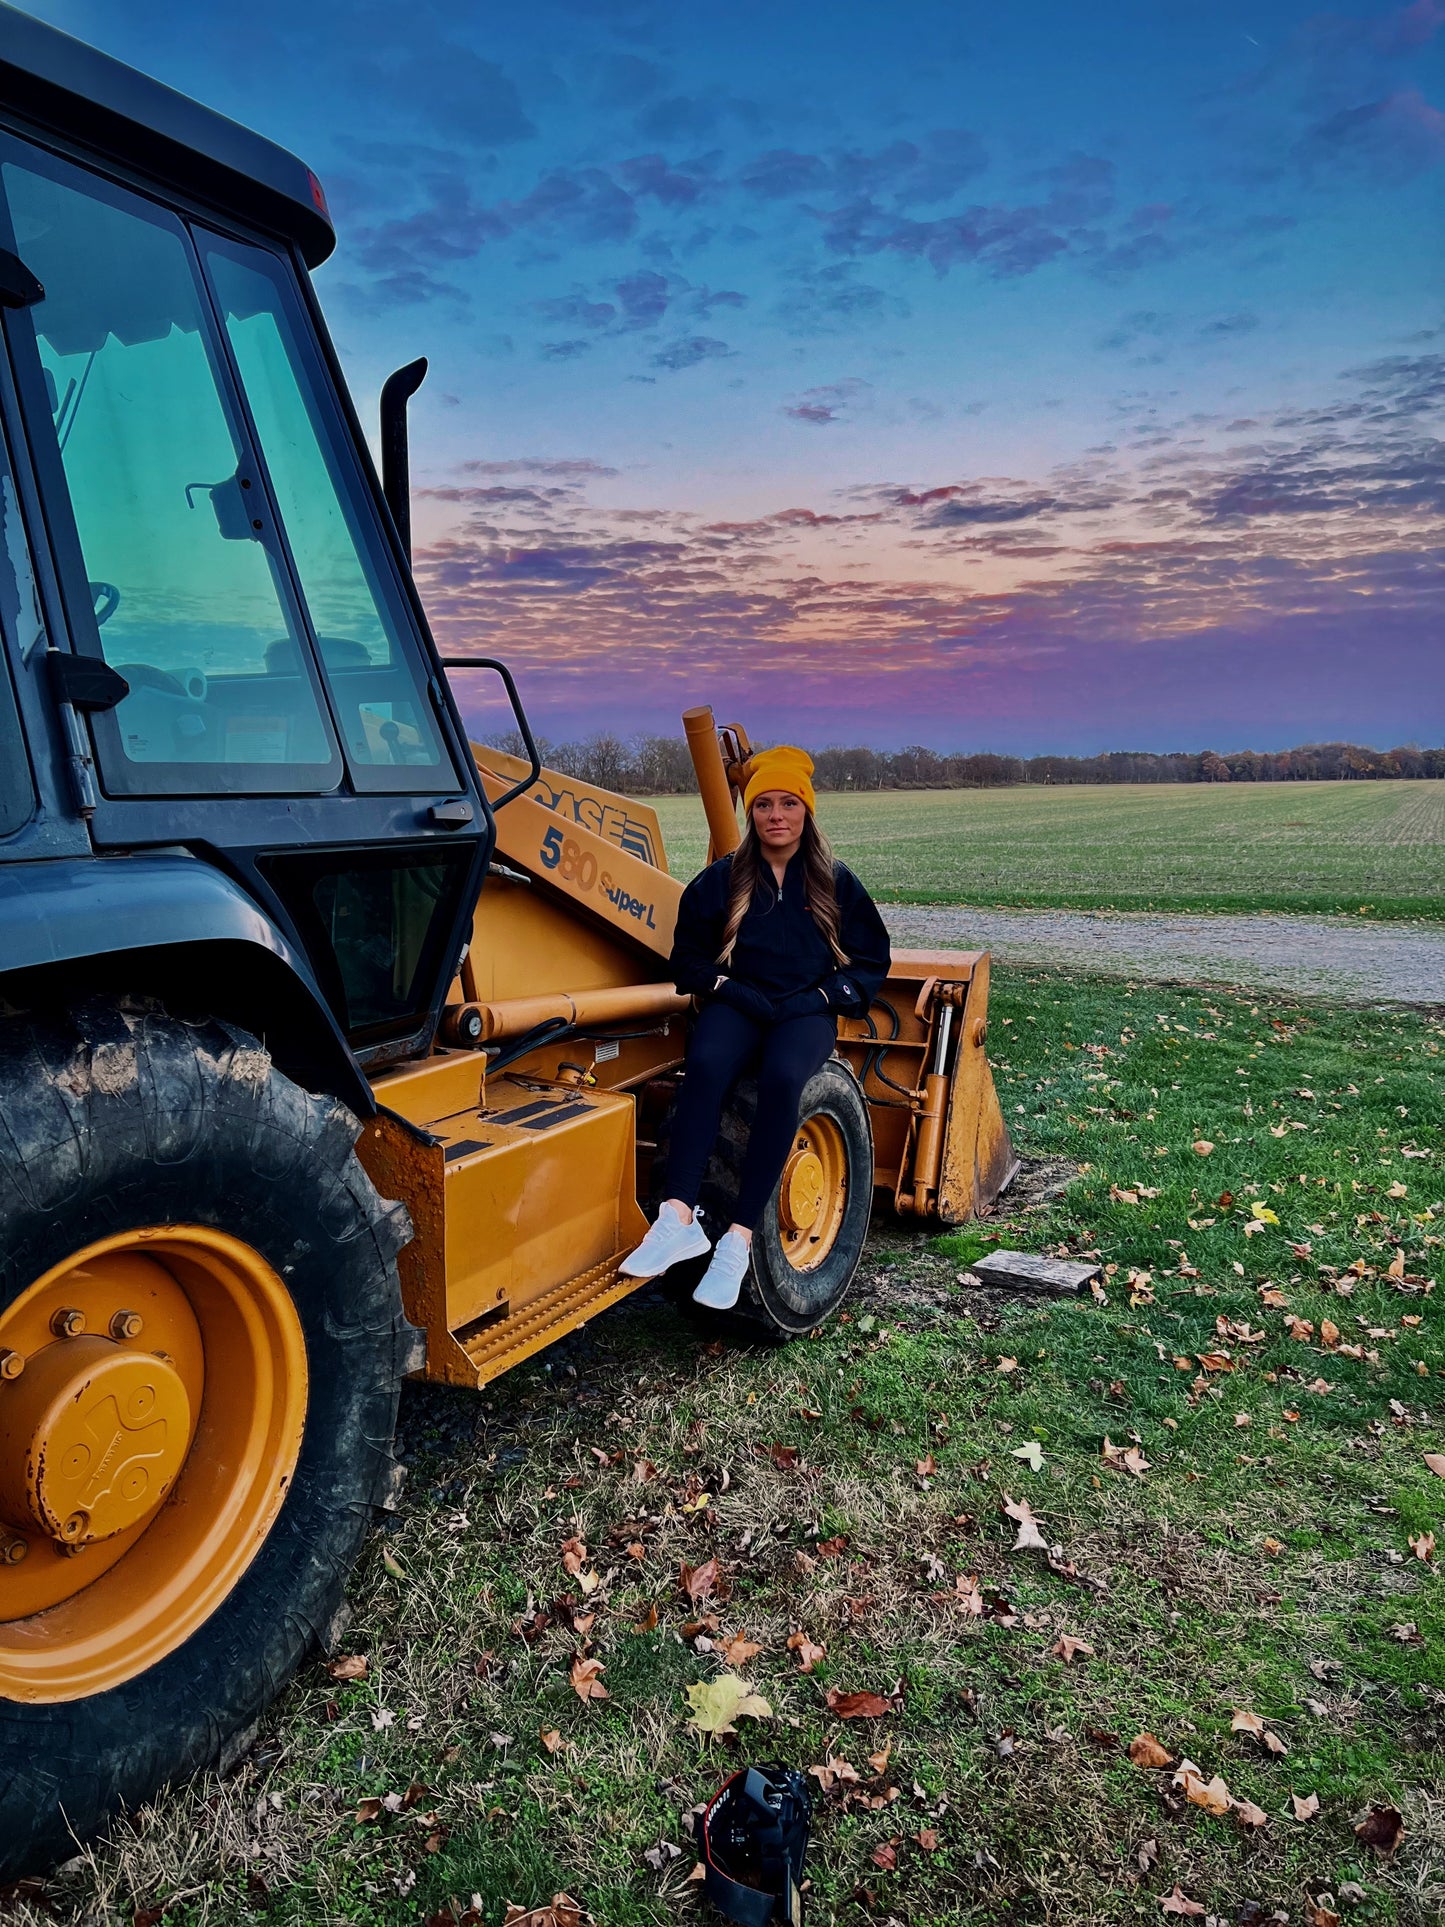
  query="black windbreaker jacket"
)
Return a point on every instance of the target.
[{"x": 779, "y": 948}]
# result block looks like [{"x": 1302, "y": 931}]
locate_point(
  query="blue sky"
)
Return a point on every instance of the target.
[{"x": 1023, "y": 378}]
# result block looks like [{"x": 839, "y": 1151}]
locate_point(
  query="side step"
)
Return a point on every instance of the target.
[
  {"x": 523, "y": 1203},
  {"x": 495, "y": 1344}
]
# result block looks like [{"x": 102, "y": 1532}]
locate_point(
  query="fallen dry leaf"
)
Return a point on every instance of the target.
[
  {"x": 879, "y": 1760},
  {"x": 560, "y": 1911},
  {"x": 718, "y": 1703},
  {"x": 1007, "y": 1365},
  {"x": 1201, "y": 1147},
  {"x": 1423, "y": 1546},
  {"x": 1317, "y": 1914},
  {"x": 1382, "y": 1828},
  {"x": 1306, "y": 1808},
  {"x": 1213, "y": 1795},
  {"x": 1145, "y": 1750},
  {"x": 1067, "y": 1648},
  {"x": 885, "y": 1856},
  {"x": 1251, "y": 1723},
  {"x": 348, "y": 1666},
  {"x": 1029, "y": 1538},
  {"x": 926, "y": 1466},
  {"x": 835, "y": 1772},
  {"x": 927, "y": 1838},
  {"x": 701, "y": 1582},
  {"x": 1179, "y": 1903},
  {"x": 969, "y": 1594},
  {"x": 583, "y": 1674},
  {"x": 1124, "y": 1458},
  {"x": 860, "y": 1706},
  {"x": 1249, "y": 1815},
  {"x": 1436, "y": 1463},
  {"x": 808, "y": 1653},
  {"x": 551, "y": 1738}
]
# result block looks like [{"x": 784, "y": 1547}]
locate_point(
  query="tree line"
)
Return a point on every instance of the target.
[{"x": 661, "y": 766}]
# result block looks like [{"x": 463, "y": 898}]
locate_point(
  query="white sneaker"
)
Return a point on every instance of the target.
[
  {"x": 722, "y": 1282},
  {"x": 667, "y": 1244}
]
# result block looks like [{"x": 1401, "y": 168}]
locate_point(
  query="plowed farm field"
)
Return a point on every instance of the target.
[{"x": 1372, "y": 849}]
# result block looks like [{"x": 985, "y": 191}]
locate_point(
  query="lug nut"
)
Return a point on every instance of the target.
[
  {"x": 73, "y": 1528},
  {"x": 126, "y": 1324},
  {"x": 68, "y": 1322},
  {"x": 12, "y": 1551},
  {"x": 12, "y": 1364}
]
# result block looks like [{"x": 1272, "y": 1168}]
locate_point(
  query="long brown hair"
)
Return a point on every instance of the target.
[{"x": 820, "y": 887}]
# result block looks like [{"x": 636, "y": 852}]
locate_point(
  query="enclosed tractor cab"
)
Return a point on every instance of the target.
[{"x": 332, "y": 1049}]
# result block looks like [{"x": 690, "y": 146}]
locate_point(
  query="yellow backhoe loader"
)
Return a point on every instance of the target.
[{"x": 332, "y": 1048}]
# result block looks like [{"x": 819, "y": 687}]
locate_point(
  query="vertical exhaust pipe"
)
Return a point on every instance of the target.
[
  {"x": 396, "y": 391},
  {"x": 712, "y": 781}
]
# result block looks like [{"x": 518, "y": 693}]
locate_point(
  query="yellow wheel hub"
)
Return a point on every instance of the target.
[
  {"x": 813, "y": 1194},
  {"x": 91, "y": 1439},
  {"x": 802, "y": 1196},
  {"x": 152, "y": 1402}
]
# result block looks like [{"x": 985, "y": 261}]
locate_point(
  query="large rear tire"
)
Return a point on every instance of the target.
[
  {"x": 201, "y": 1346},
  {"x": 809, "y": 1241}
]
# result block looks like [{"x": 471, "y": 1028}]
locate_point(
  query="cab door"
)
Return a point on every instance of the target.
[{"x": 277, "y": 704}]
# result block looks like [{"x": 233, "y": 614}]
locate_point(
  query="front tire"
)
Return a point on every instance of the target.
[
  {"x": 190, "y": 1469},
  {"x": 809, "y": 1240}
]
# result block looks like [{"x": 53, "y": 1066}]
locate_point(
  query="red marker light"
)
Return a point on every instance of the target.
[{"x": 318, "y": 195}]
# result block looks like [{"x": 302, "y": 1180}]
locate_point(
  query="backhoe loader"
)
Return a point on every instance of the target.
[{"x": 333, "y": 1048}]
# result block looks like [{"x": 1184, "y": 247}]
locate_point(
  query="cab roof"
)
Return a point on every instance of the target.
[{"x": 58, "y": 83}]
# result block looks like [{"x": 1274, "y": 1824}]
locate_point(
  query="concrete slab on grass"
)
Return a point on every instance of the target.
[{"x": 1023, "y": 1271}]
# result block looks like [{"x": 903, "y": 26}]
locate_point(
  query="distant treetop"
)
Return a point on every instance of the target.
[{"x": 660, "y": 765}]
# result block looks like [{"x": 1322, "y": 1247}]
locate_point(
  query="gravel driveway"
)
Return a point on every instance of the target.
[{"x": 1319, "y": 956}]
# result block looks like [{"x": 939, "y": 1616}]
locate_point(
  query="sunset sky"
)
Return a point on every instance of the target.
[{"x": 1033, "y": 378}]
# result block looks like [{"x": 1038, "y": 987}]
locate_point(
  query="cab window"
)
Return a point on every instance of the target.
[
  {"x": 186, "y": 574},
  {"x": 362, "y": 628}
]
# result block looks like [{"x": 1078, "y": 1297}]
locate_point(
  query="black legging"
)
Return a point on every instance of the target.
[{"x": 724, "y": 1046}]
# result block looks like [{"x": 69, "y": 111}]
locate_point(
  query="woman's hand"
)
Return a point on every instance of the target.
[
  {"x": 746, "y": 998},
  {"x": 802, "y": 1003}
]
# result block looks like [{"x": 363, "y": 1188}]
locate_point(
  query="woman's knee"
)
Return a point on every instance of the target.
[{"x": 783, "y": 1083}]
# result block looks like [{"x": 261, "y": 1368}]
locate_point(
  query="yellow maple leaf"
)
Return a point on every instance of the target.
[{"x": 717, "y": 1704}]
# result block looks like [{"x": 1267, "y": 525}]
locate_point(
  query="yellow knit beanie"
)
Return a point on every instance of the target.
[{"x": 785, "y": 768}]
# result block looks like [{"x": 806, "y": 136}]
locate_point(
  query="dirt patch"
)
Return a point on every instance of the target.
[{"x": 1316, "y": 956}]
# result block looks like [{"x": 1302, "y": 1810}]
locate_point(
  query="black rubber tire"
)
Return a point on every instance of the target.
[
  {"x": 775, "y": 1296},
  {"x": 116, "y": 1116}
]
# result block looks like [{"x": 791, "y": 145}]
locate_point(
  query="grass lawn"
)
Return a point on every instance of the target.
[
  {"x": 1270, "y": 1553},
  {"x": 1349, "y": 847}
]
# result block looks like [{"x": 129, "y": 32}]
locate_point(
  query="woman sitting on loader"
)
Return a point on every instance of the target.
[{"x": 778, "y": 939}]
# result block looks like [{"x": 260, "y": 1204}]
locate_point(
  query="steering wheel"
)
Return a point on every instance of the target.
[{"x": 106, "y": 598}]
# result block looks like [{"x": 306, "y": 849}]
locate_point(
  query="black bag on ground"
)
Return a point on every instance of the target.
[{"x": 754, "y": 1840}]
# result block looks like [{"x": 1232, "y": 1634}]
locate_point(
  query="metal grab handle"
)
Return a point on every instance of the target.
[{"x": 525, "y": 728}]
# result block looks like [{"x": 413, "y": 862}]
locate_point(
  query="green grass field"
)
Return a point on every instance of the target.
[
  {"x": 1348, "y": 847},
  {"x": 1272, "y": 1551}
]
